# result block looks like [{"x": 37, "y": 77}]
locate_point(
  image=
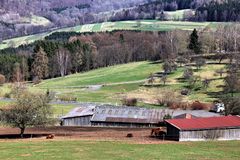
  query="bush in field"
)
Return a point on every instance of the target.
[
  {"x": 16, "y": 90},
  {"x": 188, "y": 73},
  {"x": 67, "y": 98},
  {"x": 168, "y": 97},
  {"x": 169, "y": 66},
  {"x": 2, "y": 79},
  {"x": 164, "y": 79},
  {"x": 185, "y": 92},
  {"x": 129, "y": 101},
  {"x": 195, "y": 83},
  {"x": 36, "y": 80},
  {"x": 200, "y": 62}
]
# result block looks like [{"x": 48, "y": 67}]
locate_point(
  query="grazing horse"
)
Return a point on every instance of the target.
[
  {"x": 158, "y": 131},
  {"x": 50, "y": 136}
]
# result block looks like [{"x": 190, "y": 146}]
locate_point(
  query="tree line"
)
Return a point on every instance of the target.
[{"x": 223, "y": 11}]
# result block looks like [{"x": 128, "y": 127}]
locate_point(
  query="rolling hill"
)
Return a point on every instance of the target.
[{"x": 143, "y": 25}]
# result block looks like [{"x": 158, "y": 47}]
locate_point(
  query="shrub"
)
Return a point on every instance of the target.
[
  {"x": 200, "y": 62},
  {"x": 36, "y": 80},
  {"x": 184, "y": 92},
  {"x": 16, "y": 90},
  {"x": 169, "y": 66},
  {"x": 129, "y": 101},
  {"x": 188, "y": 73},
  {"x": 195, "y": 83},
  {"x": 2, "y": 79},
  {"x": 7, "y": 95},
  {"x": 168, "y": 97}
]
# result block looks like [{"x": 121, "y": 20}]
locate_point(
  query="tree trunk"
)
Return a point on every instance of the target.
[{"x": 22, "y": 131}]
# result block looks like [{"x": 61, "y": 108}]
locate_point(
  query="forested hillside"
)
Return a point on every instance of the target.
[
  {"x": 16, "y": 16},
  {"x": 19, "y": 18},
  {"x": 65, "y": 53}
]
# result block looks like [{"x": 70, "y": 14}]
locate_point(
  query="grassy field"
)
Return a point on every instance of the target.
[
  {"x": 145, "y": 25},
  {"x": 128, "y": 80},
  {"x": 178, "y": 14},
  {"x": 108, "y": 75},
  {"x": 105, "y": 150}
]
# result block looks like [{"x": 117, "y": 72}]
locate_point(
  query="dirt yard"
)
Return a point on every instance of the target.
[{"x": 140, "y": 135}]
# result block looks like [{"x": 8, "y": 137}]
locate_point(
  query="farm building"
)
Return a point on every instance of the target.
[
  {"x": 200, "y": 129},
  {"x": 79, "y": 116},
  {"x": 122, "y": 116},
  {"x": 127, "y": 116}
]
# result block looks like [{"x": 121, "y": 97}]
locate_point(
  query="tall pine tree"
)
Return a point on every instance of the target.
[
  {"x": 40, "y": 64},
  {"x": 194, "y": 43}
]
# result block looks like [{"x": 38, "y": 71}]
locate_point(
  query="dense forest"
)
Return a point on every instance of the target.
[
  {"x": 226, "y": 11},
  {"x": 19, "y": 18}
]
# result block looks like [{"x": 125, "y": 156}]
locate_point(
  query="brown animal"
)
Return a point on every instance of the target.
[
  {"x": 158, "y": 131},
  {"x": 129, "y": 135},
  {"x": 50, "y": 136}
]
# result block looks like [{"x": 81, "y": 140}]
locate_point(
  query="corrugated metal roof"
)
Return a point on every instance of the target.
[
  {"x": 128, "y": 114},
  {"x": 108, "y": 113},
  {"x": 206, "y": 123},
  {"x": 80, "y": 111},
  {"x": 196, "y": 113}
]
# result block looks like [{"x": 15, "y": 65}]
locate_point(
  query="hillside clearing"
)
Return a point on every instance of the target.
[{"x": 128, "y": 80}]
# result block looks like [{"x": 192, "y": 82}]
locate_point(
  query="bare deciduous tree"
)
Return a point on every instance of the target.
[{"x": 63, "y": 60}]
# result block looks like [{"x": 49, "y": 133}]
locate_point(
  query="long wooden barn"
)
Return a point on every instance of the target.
[
  {"x": 122, "y": 116},
  {"x": 201, "y": 129}
]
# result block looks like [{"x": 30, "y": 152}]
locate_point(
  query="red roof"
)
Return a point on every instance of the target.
[{"x": 206, "y": 123}]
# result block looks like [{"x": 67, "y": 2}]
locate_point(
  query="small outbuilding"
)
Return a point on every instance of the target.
[
  {"x": 201, "y": 129},
  {"x": 80, "y": 116}
]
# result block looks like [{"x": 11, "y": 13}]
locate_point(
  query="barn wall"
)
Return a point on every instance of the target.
[
  {"x": 115, "y": 124},
  {"x": 172, "y": 132},
  {"x": 77, "y": 121},
  {"x": 214, "y": 134}
]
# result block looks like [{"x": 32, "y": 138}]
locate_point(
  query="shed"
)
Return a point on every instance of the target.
[
  {"x": 200, "y": 129},
  {"x": 80, "y": 116}
]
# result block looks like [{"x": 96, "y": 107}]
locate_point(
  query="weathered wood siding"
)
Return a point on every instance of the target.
[
  {"x": 77, "y": 121},
  {"x": 115, "y": 124},
  {"x": 211, "y": 134}
]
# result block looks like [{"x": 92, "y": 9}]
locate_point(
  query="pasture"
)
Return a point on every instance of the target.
[
  {"x": 143, "y": 25},
  {"x": 68, "y": 149},
  {"x": 112, "y": 84},
  {"x": 178, "y": 14},
  {"x": 131, "y": 80}
]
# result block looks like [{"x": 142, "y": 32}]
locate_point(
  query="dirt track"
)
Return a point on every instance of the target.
[{"x": 140, "y": 135}]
